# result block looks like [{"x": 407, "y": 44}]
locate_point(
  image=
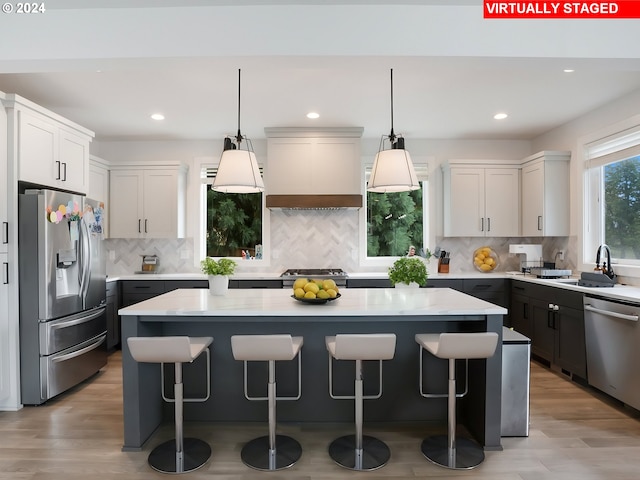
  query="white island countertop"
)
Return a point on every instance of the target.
[{"x": 376, "y": 302}]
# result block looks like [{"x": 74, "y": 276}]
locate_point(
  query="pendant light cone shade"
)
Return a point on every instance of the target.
[
  {"x": 238, "y": 170},
  {"x": 393, "y": 172},
  {"x": 392, "y": 168}
]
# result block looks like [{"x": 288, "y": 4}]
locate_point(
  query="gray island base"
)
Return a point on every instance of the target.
[{"x": 404, "y": 312}]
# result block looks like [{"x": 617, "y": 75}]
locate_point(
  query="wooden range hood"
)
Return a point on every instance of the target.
[
  {"x": 309, "y": 202},
  {"x": 313, "y": 168}
]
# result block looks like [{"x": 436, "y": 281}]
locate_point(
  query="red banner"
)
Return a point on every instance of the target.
[{"x": 562, "y": 9}]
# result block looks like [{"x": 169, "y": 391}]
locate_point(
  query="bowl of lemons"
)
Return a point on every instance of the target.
[
  {"x": 315, "y": 291},
  {"x": 485, "y": 259}
]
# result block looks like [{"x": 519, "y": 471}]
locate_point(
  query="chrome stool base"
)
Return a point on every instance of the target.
[
  {"x": 467, "y": 455},
  {"x": 195, "y": 454},
  {"x": 256, "y": 453},
  {"x": 375, "y": 453}
]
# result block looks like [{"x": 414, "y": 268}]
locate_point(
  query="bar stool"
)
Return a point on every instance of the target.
[
  {"x": 272, "y": 452},
  {"x": 358, "y": 452},
  {"x": 449, "y": 451},
  {"x": 182, "y": 454}
]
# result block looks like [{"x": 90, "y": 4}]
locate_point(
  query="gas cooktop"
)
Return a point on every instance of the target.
[{"x": 309, "y": 272}]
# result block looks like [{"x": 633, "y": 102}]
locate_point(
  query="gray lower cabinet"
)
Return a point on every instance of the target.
[
  {"x": 170, "y": 285},
  {"x": 368, "y": 283},
  {"x": 255, "y": 284},
  {"x": 113, "y": 319},
  {"x": 553, "y": 318},
  {"x": 134, "y": 291}
]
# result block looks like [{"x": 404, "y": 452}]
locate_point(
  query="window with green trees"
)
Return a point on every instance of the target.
[
  {"x": 394, "y": 222},
  {"x": 234, "y": 223},
  {"x": 621, "y": 209}
]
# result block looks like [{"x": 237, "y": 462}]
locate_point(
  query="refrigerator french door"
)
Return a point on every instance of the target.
[{"x": 62, "y": 292}]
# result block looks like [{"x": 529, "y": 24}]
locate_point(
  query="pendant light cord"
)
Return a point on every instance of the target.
[
  {"x": 239, "y": 136},
  {"x": 392, "y": 136}
]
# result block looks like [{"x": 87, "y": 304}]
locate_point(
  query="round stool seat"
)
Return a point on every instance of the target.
[
  {"x": 262, "y": 348},
  {"x": 447, "y": 450},
  {"x": 167, "y": 349},
  {"x": 369, "y": 346},
  {"x": 459, "y": 345}
]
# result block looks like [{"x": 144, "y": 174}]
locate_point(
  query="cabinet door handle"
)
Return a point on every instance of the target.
[
  {"x": 64, "y": 169},
  {"x": 5, "y": 273},
  {"x": 5, "y": 232},
  {"x": 145, "y": 225},
  {"x": 540, "y": 222},
  {"x": 139, "y": 226},
  {"x": 482, "y": 224},
  {"x": 58, "y": 163},
  {"x": 550, "y": 319},
  {"x": 488, "y": 224}
]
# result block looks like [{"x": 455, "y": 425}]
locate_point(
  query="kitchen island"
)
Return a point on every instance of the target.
[{"x": 403, "y": 311}]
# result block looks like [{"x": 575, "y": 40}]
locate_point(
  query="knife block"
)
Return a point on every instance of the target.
[{"x": 443, "y": 265}]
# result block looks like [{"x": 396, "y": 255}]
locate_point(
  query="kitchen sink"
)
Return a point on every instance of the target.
[{"x": 565, "y": 281}]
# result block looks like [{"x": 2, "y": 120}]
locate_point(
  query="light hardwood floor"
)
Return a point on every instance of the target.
[{"x": 575, "y": 434}]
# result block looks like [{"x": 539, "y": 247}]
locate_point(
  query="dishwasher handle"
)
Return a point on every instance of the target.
[{"x": 622, "y": 316}]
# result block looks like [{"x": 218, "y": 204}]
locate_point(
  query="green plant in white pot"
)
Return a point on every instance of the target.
[
  {"x": 408, "y": 271},
  {"x": 219, "y": 272}
]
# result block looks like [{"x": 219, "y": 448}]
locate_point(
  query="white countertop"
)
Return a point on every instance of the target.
[
  {"x": 353, "y": 302},
  {"x": 192, "y": 276},
  {"x": 617, "y": 292}
]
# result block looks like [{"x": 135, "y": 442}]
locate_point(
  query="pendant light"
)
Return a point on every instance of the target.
[
  {"x": 392, "y": 168},
  {"x": 238, "y": 170}
]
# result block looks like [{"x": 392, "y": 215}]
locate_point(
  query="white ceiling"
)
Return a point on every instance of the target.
[{"x": 452, "y": 70}]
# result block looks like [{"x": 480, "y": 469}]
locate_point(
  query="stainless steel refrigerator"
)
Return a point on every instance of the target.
[{"x": 62, "y": 292}]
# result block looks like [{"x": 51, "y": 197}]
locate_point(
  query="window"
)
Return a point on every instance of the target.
[
  {"x": 612, "y": 197},
  {"x": 233, "y": 221},
  {"x": 396, "y": 221},
  {"x": 622, "y": 208}
]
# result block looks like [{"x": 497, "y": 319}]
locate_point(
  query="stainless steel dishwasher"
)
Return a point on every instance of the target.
[{"x": 612, "y": 333}]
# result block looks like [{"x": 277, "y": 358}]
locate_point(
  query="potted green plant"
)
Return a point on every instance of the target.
[
  {"x": 407, "y": 271},
  {"x": 219, "y": 272}
]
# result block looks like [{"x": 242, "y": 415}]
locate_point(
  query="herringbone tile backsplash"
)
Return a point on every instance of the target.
[
  {"x": 462, "y": 248},
  {"x": 315, "y": 238},
  {"x": 324, "y": 239},
  {"x": 128, "y": 255}
]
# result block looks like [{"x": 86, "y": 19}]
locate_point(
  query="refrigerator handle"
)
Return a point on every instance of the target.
[
  {"x": 82, "y": 351},
  {"x": 85, "y": 260}
]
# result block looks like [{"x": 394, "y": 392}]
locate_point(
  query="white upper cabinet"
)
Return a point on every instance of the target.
[
  {"x": 545, "y": 194},
  {"x": 481, "y": 200},
  {"x": 144, "y": 203},
  {"x": 99, "y": 186},
  {"x": 4, "y": 190},
  {"x": 51, "y": 151}
]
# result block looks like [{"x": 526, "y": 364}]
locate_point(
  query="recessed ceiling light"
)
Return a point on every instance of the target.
[
  {"x": 500, "y": 116},
  {"x": 157, "y": 116},
  {"x": 568, "y": 70},
  {"x": 313, "y": 115}
]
